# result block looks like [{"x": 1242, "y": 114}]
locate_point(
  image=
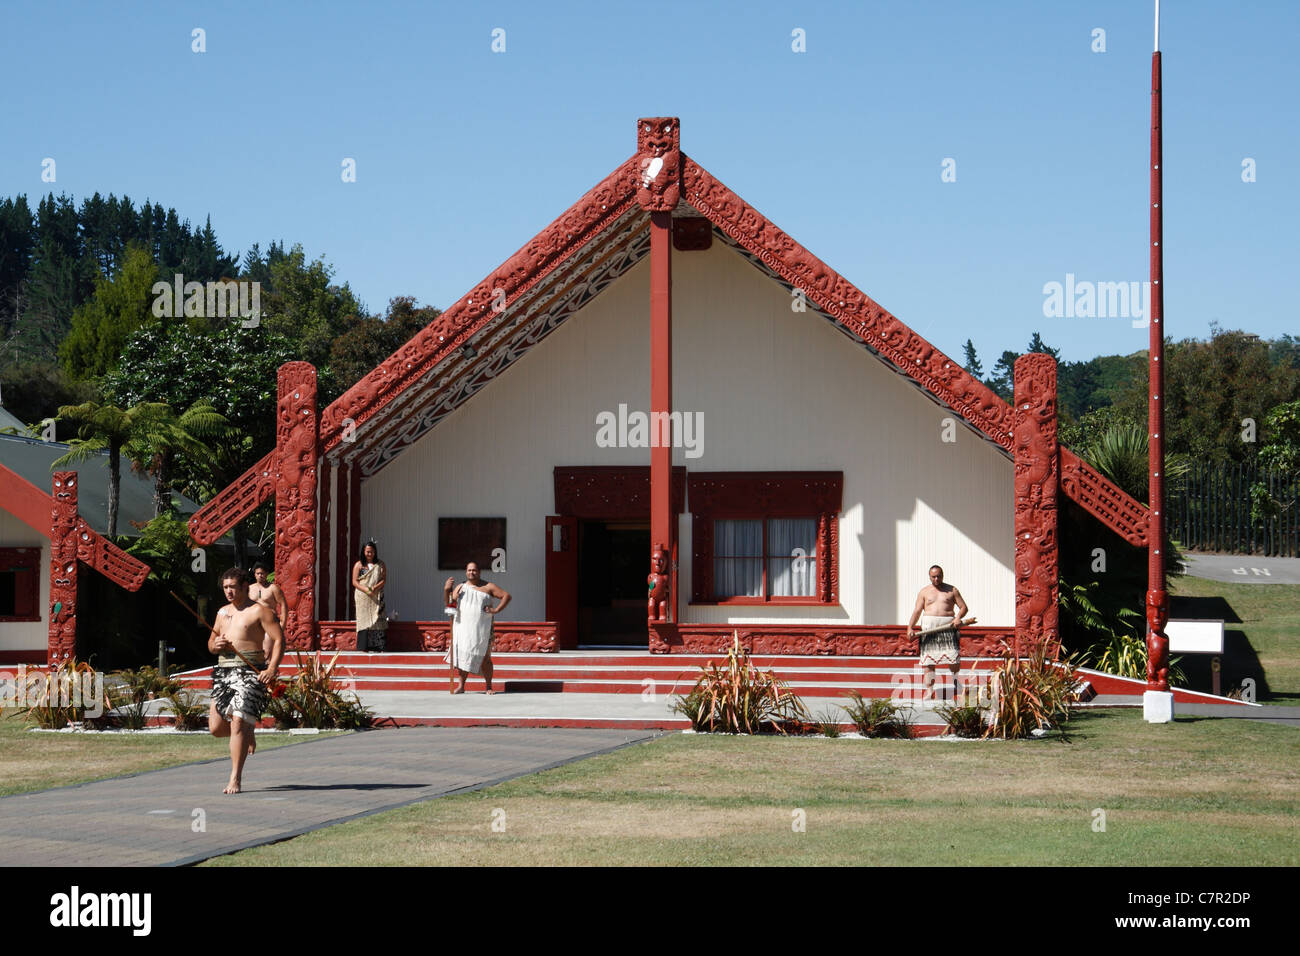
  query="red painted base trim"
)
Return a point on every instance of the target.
[
  {"x": 536, "y": 637},
  {"x": 869, "y": 640},
  {"x": 32, "y": 658}
]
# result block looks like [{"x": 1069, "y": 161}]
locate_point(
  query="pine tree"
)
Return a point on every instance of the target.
[{"x": 973, "y": 363}]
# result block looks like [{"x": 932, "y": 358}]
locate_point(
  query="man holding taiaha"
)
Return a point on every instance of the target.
[
  {"x": 470, "y": 651},
  {"x": 265, "y": 591},
  {"x": 937, "y": 605},
  {"x": 242, "y": 679}
]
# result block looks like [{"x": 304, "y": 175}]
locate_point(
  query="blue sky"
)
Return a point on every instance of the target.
[{"x": 462, "y": 154}]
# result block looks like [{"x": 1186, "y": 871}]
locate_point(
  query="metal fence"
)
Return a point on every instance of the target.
[{"x": 1209, "y": 510}]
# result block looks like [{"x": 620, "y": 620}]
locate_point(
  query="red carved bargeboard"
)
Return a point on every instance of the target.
[
  {"x": 295, "y": 501},
  {"x": 870, "y": 640},
  {"x": 235, "y": 502},
  {"x": 1100, "y": 498},
  {"x": 509, "y": 637},
  {"x": 858, "y": 314},
  {"x": 108, "y": 559},
  {"x": 1036, "y": 469},
  {"x": 584, "y": 220}
]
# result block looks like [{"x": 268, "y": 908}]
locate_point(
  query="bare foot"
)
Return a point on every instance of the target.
[
  {"x": 232, "y": 787},
  {"x": 252, "y": 747},
  {"x": 459, "y": 689},
  {"x": 490, "y": 691}
]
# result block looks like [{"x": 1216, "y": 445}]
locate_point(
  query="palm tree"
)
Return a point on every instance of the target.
[
  {"x": 1121, "y": 454},
  {"x": 109, "y": 427},
  {"x": 169, "y": 436}
]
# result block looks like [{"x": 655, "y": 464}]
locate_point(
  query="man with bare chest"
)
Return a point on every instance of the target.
[
  {"x": 937, "y": 605},
  {"x": 242, "y": 679},
  {"x": 265, "y": 591}
]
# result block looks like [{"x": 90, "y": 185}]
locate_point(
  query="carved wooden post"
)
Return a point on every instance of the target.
[
  {"x": 659, "y": 175},
  {"x": 326, "y": 488},
  {"x": 63, "y": 569},
  {"x": 1036, "y": 470},
  {"x": 297, "y": 446}
]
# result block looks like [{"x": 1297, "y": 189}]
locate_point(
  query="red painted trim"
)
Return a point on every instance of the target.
[
  {"x": 25, "y": 501},
  {"x": 536, "y": 637},
  {"x": 870, "y": 640},
  {"x": 35, "y": 657},
  {"x": 777, "y": 494},
  {"x": 1036, "y": 468},
  {"x": 609, "y": 492}
]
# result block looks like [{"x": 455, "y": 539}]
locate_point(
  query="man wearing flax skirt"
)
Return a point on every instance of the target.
[
  {"x": 242, "y": 679},
  {"x": 938, "y": 604}
]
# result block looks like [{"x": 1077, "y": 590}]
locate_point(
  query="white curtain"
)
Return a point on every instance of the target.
[
  {"x": 792, "y": 557},
  {"x": 737, "y": 558}
]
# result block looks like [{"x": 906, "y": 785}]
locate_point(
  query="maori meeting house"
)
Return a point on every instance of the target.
[{"x": 819, "y": 457}]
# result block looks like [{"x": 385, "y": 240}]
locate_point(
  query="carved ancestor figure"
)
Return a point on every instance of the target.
[
  {"x": 659, "y": 185},
  {"x": 657, "y": 580},
  {"x": 1157, "y": 642}
]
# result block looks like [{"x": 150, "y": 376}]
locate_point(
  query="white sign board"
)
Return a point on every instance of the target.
[{"x": 1195, "y": 637}]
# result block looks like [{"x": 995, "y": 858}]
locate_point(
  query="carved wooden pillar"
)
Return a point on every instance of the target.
[
  {"x": 343, "y": 564},
  {"x": 297, "y": 448},
  {"x": 1036, "y": 471},
  {"x": 658, "y": 192},
  {"x": 63, "y": 569},
  {"x": 354, "y": 534},
  {"x": 326, "y": 495}
]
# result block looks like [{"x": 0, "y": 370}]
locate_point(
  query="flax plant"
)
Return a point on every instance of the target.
[
  {"x": 312, "y": 699},
  {"x": 60, "y": 699},
  {"x": 1031, "y": 693},
  {"x": 738, "y": 698}
]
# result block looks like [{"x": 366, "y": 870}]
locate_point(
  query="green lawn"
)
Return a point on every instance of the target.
[
  {"x": 1270, "y": 624},
  {"x": 1195, "y": 792},
  {"x": 37, "y": 761}
]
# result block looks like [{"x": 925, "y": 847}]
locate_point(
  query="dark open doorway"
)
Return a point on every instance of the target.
[{"x": 613, "y": 561}]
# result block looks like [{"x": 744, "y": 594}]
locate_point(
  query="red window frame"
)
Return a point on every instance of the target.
[
  {"x": 27, "y": 583},
  {"x": 761, "y": 495}
]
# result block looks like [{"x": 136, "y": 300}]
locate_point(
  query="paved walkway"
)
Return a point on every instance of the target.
[{"x": 149, "y": 819}]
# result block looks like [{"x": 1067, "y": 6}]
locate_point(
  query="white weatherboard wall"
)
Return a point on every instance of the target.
[
  {"x": 779, "y": 391},
  {"x": 27, "y": 635}
]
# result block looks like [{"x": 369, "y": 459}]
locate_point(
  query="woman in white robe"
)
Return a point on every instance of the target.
[{"x": 471, "y": 626}]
